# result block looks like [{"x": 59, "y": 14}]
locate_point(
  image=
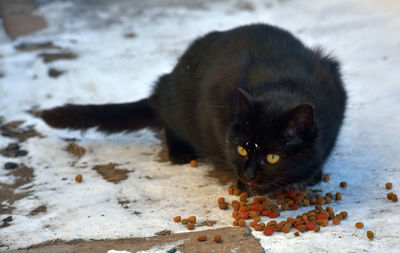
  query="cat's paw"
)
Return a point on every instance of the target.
[{"x": 180, "y": 159}]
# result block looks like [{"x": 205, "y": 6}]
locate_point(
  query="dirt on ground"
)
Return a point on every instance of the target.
[{"x": 237, "y": 239}]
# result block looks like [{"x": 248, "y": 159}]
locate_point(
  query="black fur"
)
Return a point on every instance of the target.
[{"x": 256, "y": 86}]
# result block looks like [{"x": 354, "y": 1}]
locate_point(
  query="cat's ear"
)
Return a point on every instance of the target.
[
  {"x": 245, "y": 104},
  {"x": 300, "y": 124}
]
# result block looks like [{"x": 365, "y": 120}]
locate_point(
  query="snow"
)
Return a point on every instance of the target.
[{"x": 363, "y": 35}]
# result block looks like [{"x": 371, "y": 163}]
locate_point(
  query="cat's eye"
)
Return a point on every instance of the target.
[
  {"x": 241, "y": 151},
  {"x": 273, "y": 158}
]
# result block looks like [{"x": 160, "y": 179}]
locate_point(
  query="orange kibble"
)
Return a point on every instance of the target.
[
  {"x": 221, "y": 200},
  {"x": 394, "y": 198},
  {"x": 243, "y": 196},
  {"x": 335, "y": 221},
  {"x": 193, "y": 163},
  {"x": 217, "y": 238},
  {"x": 235, "y": 223},
  {"x": 185, "y": 221},
  {"x": 177, "y": 218},
  {"x": 257, "y": 227},
  {"x": 192, "y": 219},
  {"x": 338, "y": 196},
  {"x": 78, "y": 178},
  {"x": 370, "y": 234},
  {"x": 236, "y": 192},
  {"x": 344, "y": 214},
  {"x": 317, "y": 228},
  {"x": 388, "y": 186},
  {"x": 359, "y": 225},
  {"x": 241, "y": 223},
  {"x": 202, "y": 238},
  {"x": 230, "y": 190},
  {"x": 190, "y": 226},
  {"x": 222, "y": 206}
]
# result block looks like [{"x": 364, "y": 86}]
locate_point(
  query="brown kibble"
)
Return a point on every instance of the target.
[
  {"x": 257, "y": 218},
  {"x": 343, "y": 184},
  {"x": 286, "y": 228},
  {"x": 370, "y": 234},
  {"x": 296, "y": 233},
  {"x": 235, "y": 223},
  {"x": 335, "y": 221},
  {"x": 193, "y": 163},
  {"x": 284, "y": 206},
  {"x": 217, "y": 238},
  {"x": 221, "y": 200},
  {"x": 202, "y": 238},
  {"x": 236, "y": 192},
  {"x": 329, "y": 209},
  {"x": 388, "y": 186},
  {"x": 326, "y": 178},
  {"x": 190, "y": 226},
  {"x": 253, "y": 223},
  {"x": 323, "y": 222},
  {"x": 301, "y": 228},
  {"x": 185, "y": 221},
  {"x": 389, "y": 195},
  {"x": 241, "y": 223},
  {"x": 306, "y": 202},
  {"x": 257, "y": 227},
  {"x": 177, "y": 218},
  {"x": 222, "y": 206},
  {"x": 317, "y": 228},
  {"x": 230, "y": 190},
  {"x": 394, "y": 198},
  {"x": 78, "y": 178},
  {"x": 243, "y": 197},
  {"x": 359, "y": 225},
  {"x": 344, "y": 214},
  {"x": 338, "y": 196},
  {"x": 192, "y": 219}
]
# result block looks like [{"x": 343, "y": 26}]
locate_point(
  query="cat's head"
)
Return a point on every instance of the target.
[{"x": 272, "y": 147}]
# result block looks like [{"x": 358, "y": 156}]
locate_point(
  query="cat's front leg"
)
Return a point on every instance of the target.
[{"x": 179, "y": 151}]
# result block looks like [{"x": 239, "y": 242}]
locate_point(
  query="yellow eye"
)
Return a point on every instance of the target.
[
  {"x": 241, "y": 151},
  {"x": 272, "y": 158}
]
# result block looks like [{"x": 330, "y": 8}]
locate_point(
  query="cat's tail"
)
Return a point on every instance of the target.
[{"x": 108, "y": 118}]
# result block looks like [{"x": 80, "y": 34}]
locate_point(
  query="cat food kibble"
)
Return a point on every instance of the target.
[
  {"x": 359, "y": 225},
  {"x": 343, "y": 184},
  {"x": 202, "y": 238},
  {"x": 338, "y": 196},
  {"x": 217, "y": 238},
  {"x": 388, "y": 186},
  {"x": 236, "y": 192},
  {"x": 190, "y": 226},
  {"x": 326, "y": 178},
  {"x": 230, "y": 190},
  {"x": 192, "y": 219},
  {"x": 241, "y": 223},
  {"x": 223, "y": 206},
  {"x": 394, "y": 198},
  {"x": 243, "y": 197},
  {"x": 177, "y": 218},
  {"x": 193, "y": 163},
  {"x": 78, "y": 178},
  {"x": 370, "y": 234},
  {"x": 296, "y": 233},
  {"x": 185, "y": 221}
]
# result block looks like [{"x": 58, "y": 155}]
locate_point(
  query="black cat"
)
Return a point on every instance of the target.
[{"x": 253, "y": 99}]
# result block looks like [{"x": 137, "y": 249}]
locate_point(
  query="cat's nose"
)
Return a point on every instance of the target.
[{"x": 250, "y": 174}]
